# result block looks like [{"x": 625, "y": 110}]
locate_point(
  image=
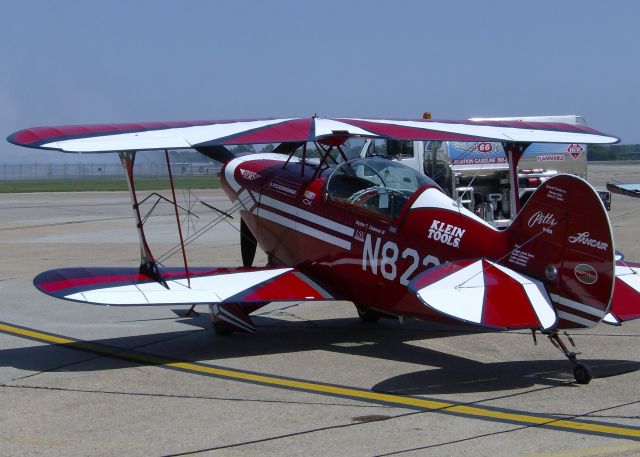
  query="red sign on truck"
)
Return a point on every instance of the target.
[{"x": 575, "y": 150}]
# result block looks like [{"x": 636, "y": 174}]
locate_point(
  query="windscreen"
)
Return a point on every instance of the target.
[{"x": 377, "y": 184}]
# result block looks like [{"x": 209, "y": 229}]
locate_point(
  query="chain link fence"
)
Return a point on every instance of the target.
[{"x": 37, "y": 171}]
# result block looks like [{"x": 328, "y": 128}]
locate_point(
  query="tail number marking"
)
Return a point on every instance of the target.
[{"x": 386, "y": 256}]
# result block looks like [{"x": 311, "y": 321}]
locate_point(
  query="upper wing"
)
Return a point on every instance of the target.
[
  {"x": 199, "y": 134},
  {"x": 126, "y": 286},
  {"x": 486, "y": 294}
]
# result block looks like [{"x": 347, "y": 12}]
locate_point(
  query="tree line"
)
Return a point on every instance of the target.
[{"x": 597, "y": 152}]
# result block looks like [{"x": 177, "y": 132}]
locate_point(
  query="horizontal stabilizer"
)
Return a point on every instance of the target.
[
  {"x": 623, "y": 188},
  {"x": 625, "y": 305},
  {"x": 126, "y": 286},
  {"x": 485, "y": 293}
]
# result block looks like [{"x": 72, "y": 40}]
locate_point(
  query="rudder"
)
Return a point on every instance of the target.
[{"x": 562, "y": 237}]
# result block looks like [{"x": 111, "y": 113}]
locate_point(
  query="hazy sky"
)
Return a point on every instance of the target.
[{"x": 67, "y": 62}]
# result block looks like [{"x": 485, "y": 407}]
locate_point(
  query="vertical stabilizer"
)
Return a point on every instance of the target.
[{"x": 563, "y": 237}]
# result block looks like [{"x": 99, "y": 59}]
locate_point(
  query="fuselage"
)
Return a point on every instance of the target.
[{"x": 364, "y": 244}]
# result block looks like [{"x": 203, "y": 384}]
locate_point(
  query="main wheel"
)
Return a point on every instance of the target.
[
  {"x": 367, "y": 315},
  {"x": 220, "y": 327},
  {"x": 582, "y": 373}
]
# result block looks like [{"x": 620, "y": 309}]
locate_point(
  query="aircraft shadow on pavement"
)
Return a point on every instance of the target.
[
  {"x": 497, "y": 376},
  {"x": 447, "y": 373}
]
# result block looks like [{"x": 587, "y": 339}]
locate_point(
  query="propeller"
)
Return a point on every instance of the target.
[{"x": 248, "y": 244}]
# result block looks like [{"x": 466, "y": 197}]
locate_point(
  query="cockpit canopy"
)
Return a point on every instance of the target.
[{"x": 376, "y": 184}]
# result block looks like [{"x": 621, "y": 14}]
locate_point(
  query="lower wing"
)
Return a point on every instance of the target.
[{"x": 126, "y": 286}]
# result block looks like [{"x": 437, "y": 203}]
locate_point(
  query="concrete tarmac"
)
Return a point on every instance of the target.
[{"x": 78, "y": 379}]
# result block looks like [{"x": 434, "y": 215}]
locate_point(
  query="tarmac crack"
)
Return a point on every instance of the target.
[
  {"x": 290, "y": 435},
  {"x": 80, "y": 205},
  {"x": 56, "y": 224},
  {"x": 523, "y": 427},
  {"x": 266, "y": 313},
  {"x": 603, "y": 416},
  {"x": 189, "y": 397},
  {"x": 91, "y": 358},
  {"x": 599, "y": 416},
  {"x": 544, "y": 421},
  {"x": 282, "y": 312},
  {"x": 413, "y": 413}
]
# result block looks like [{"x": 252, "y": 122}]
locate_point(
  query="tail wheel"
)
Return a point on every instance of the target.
[{"x": 582, "y": 373}]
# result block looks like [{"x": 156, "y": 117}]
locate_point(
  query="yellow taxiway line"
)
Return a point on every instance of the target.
[{"x": 417, "y": 403}]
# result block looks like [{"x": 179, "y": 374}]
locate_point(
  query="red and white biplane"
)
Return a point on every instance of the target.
[{"x": 371, "y": 231}]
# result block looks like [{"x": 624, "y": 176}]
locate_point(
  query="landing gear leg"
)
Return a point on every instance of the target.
[
  {"x": 367, "y": 315},
  {"x": 192, "y": 312},
  {"x": 581, "y": 372}
]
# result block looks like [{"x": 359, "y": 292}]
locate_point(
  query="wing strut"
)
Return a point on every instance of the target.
[
  {"x": 514, "y": 154},
  {"x": 148, "y": 264},
  {"x": 175, "y": 207}
]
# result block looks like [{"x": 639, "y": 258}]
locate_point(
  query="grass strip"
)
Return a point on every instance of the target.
[{"x": 107, "y": 184}]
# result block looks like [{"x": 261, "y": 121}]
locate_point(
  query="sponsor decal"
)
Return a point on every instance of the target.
[
  {"x": 358, "y": 235},
  {"x": 480, "y": 161},
  {"x": 370, "y": 228},
  {"x": 248, "y": 174},
  {"x": 445, "y": 233},
  {"x": 556, "y": 193},
  {"x": 520, "y": 258},
  {"x": 547, "y": 220},
  {"x": 575, "y": 150},
  {"x": 308, "y": 197},
  {"x": 586, "y": 274},
  {"x": 550, "y": 157},
  {"x": 484, "y": 147},
  {"x": 584, "y": 238},
  {"x": 284, "y": 187}
]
